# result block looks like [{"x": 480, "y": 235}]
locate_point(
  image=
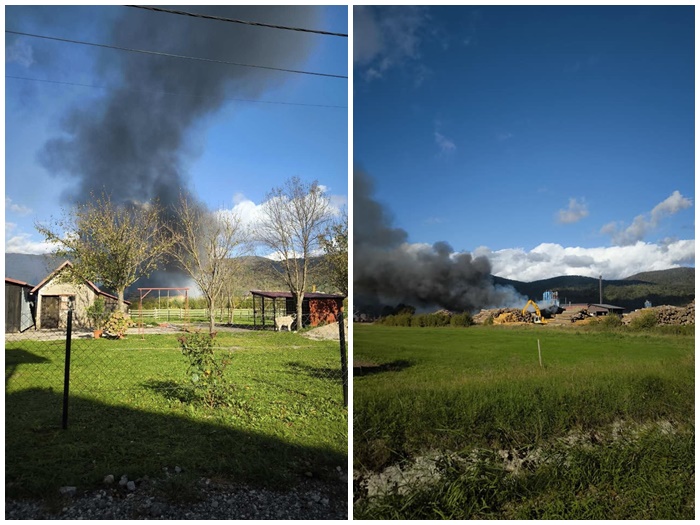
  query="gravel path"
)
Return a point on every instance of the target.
[{"x": 311, "y": 499}]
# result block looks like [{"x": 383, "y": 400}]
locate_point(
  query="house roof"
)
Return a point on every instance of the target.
[
  {"x": 89, "y": 283},
  {"x": 19, "y": 283},
  {"x": 288, "y": 295}
]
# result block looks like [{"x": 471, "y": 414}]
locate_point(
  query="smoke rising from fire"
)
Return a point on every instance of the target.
[
  {"x": 132, "y": 143},
  {"x": 388, "y": 270}
]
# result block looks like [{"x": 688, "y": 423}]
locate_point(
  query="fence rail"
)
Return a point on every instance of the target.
[{"x": 237, "y": 315}]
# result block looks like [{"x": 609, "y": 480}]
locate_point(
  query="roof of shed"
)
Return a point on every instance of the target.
[
  {"x": 89, "y": 283},
  {"x": 607, "y": 306},
  {"x": 19, "y": 283},
  {"x": 288, "y": 295}
]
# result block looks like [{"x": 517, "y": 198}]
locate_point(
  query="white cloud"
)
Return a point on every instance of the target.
[
  {"x": 574, "y": 213},
  {"x": 19, "y": 209},
  {"x": 446, "y": 145},
  {"x": 613, "y": 262},
  {"x": 23, "y": 243},
  {"x": 643, "y": 224}
]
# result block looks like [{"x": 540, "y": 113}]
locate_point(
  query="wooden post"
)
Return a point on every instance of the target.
[{"x": 539, "y": 352}]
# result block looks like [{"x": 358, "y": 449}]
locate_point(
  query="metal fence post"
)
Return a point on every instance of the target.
[
  {"x": 343, "y": 354},
  {"x": 66, "y": 378}
]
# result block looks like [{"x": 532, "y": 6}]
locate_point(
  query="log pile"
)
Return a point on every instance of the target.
[
  {"x": 667, "y": 315},
  {"x": 502, "y": 316}
]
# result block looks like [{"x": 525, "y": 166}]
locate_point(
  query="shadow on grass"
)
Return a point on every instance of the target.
[
  {"x": 171, "y": 390},
  {"x": 18, "y": 356},
  {"x": 369, "y": 369},
  {"x": 103, "y": 439},
  {"x": 318, "y": 372}
]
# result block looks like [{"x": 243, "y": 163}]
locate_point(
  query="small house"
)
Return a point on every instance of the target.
[{"x": 56, "y": 294}]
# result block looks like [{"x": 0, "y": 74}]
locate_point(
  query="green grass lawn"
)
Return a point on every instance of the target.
[
  {"x": 130, "y": 412},
  {"x": 457, "y": 390}
]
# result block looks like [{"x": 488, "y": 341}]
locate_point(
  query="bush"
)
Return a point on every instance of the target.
[
  {"x": 97, "y": 313},
  {"x": 118, "y": 323},
  {"x": 644, "y": 321},
  {"x": 463, "y": 319},
  {"x": 205, "y": 372}
]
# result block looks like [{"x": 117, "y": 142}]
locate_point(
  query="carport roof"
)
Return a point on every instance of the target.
[{"x": 288, "y": 295}]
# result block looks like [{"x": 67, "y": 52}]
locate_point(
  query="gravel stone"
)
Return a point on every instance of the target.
[
  {"x": 309, "y": 499},
  {"x": 109, "y": 479}
]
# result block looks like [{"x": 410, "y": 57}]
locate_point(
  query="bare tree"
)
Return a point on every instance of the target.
[
  {"x": 293, "y": 217},
  {"x": 206, "y": 243},
  {"x": 110, "y": 244}
]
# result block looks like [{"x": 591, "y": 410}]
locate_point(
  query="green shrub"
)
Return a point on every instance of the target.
[
  {"x": 610, "y": 321},
  {"x": 205, "y": 371},
  {"x": 644, "y": 321},
  {"x": 97, "y": 313},
  {"x": 118, "y": 323},
  {"x": 463, "y": 319}
]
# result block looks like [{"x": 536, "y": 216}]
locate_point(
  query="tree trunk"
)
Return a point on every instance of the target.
[
  {"x": 120, "y": 301},
  {"x": 300, "y": 303},
  {"x": 211, "y": 315}
]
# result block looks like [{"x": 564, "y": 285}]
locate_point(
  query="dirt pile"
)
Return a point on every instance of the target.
[{"x": 326, "y": 332}]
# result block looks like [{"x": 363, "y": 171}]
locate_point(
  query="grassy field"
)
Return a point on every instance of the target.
[
  {"x": 481, "y": 389},
  {"x": 131, "y": 413}
]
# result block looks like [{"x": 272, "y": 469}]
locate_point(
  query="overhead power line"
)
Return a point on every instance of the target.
[
  {"x": 171, "y": 55},
  {"x": 176, "y": 94},
  {"x": 235, "y": 21}
]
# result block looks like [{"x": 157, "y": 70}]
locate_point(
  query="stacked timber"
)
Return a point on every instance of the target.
[
  {"x": 667, "y": 315},
  {"x": 502, "y": 316}
]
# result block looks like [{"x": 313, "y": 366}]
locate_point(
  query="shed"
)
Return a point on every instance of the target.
[
  {"x": 54, "y": 295},
  {"x": 317, "y": 308},
  {"x": 19, "y": 305},
  {"x": 604, "y": 309}
]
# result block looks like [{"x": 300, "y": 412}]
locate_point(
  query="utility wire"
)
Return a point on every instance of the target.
[
  {"x": 177, "y": 94},
  {"x": 235, "y": 21},
  {"x": 160, "y": 53}
]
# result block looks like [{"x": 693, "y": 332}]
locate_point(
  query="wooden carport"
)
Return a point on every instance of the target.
[{"x": 317, "y": 307}]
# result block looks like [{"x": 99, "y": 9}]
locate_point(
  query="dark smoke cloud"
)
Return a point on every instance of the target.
[
  {"x": 131, "y": 143},
  {"x": 387, "y": 270}
]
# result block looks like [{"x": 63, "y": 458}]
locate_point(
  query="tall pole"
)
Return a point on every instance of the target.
[
  {"x": 601, "y": 288},
  {"x": 66, "y": 377}
]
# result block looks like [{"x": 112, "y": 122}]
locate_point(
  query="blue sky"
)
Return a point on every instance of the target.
[
  {"x": 554, "y": 140},
  {"x": 231, "y": 154}
]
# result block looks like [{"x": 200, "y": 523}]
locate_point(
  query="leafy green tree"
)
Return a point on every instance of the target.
[
  {"x": 114, "y": 245},
  {"x": 334, "y": 242}
]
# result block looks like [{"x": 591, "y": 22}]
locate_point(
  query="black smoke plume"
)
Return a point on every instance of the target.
[
  {"x": 133, "y": 144},
  {"x": 387, "y": 270}
]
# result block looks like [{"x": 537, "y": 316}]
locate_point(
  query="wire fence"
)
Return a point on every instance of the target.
[{"x": 149, "y": 363}]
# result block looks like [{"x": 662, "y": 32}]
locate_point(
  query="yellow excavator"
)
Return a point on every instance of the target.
[{"x": 538, "y": 319}]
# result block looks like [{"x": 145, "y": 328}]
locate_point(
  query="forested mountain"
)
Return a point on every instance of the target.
[{"x": 675, "y": 286}]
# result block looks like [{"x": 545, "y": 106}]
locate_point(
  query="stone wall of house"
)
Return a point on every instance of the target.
[{"x": 83, "y": 296}]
